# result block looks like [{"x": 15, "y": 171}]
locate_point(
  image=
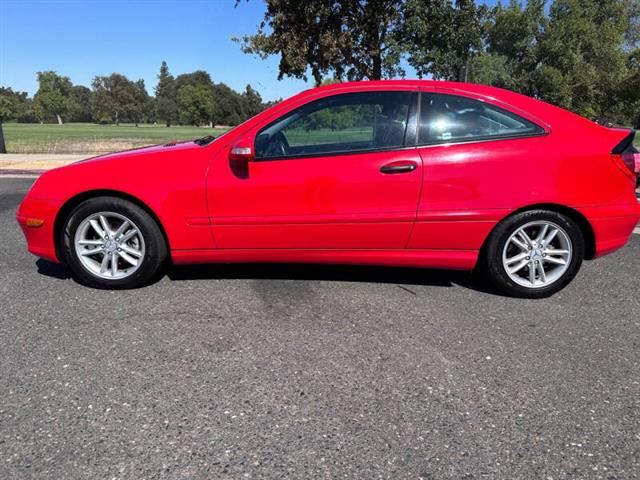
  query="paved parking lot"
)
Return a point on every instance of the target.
[{"x": 315, "y": 372}]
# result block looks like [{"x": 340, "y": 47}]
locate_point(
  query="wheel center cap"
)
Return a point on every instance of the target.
[
  {"x": 110, "y": 246},
  {"x": 537, "y": 254}
]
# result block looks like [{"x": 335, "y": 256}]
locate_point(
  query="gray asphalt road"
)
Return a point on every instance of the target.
[{"x": 315, "y": 372}]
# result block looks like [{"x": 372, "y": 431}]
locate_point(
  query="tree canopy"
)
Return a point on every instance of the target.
[
  {"x": 195, "y": 105},
  {"x": 53, "y": 96},
  {"x": 166, "y": 96},
  {"x": 578, "y": 54},
  {"x": 355, "y": 40},
  {"x": 573, "y": 57}
]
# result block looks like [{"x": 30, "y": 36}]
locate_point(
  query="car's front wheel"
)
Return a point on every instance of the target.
[
  {"x": 113, "y": 243},
  {"x": 534, "y": 254}
]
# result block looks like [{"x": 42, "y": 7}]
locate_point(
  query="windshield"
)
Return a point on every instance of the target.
[{"x": 236, "y": 127}]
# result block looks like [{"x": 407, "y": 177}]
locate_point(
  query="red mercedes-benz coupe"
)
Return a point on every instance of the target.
[{"x": 407, "y": 173}]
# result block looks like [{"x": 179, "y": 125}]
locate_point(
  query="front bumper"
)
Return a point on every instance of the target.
[{"x": 36, "y": 218}]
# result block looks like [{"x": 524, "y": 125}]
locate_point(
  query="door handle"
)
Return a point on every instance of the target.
[{"x": 401, "y": 166}]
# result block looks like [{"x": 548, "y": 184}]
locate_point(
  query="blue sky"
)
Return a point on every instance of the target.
[{"x": 84, "y": 38}]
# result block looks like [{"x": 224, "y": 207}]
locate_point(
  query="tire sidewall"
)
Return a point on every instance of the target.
[
  {"x": 504, "y": 231},
  {"x": 155, "y": 247}
]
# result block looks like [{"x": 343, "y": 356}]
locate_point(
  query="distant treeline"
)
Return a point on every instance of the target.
[{"x": 188, "y": 99}]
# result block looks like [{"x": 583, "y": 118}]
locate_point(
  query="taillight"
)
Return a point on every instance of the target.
[
  {"x": 633, "y": 160},
  {"x": 626, "y": 156}
]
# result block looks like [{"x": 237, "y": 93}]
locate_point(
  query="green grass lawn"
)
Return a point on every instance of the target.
[
  {"x": 299, "y": 136},
  {"x": 92, "y": 138}
]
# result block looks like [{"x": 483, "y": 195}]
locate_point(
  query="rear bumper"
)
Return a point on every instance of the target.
[
  {"x": 612, "y": 226},
  {"x": 40, "y": 238}
]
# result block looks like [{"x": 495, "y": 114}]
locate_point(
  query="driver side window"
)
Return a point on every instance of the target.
[{"x": 345, "y": 123}]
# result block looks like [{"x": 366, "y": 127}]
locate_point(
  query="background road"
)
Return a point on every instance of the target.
[{"x": 315, "y": 372}]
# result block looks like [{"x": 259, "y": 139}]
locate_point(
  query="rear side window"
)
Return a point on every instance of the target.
[
  {"x": 345, "y": 123},
  {"x": 451, "y": 118}
]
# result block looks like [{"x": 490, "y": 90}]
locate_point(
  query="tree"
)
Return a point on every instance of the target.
[
  {"x": 348, "y": 39},
  {"x": 195, "y": 105},
  {"x": 80, "y": 104},
  {"x": 53, "y": 95},
  {"x": 7, "y": 110},
  {"x": 166, "y": 96},
  {"x": 23, "y": 107},
  {"x": 52, "y": 104},
  {"x": 252, "y": 101},
  {"x": 195, "y": 97},
  {"x": 578, "y": 56},
  {"x": 28, "y": 114},
  {"x": 441, "y": 37},
  {"x": 629, "y": 92},
  {"x": 512, "y": 37},
  {"x": 582, "y": 54},
  {"x": 271, "y": 103},
  {"x": 199, "y": 77},
  {"x": 144, "y": 104},
  {"x": 515, "y": 31},
  {"x": 14, "y": 102},
  {"x": 115, "y": 99},
  {"x": 228, "y": 105},
  {"x": 492, "y": 69},
  {"x": 632, "y": 33}
]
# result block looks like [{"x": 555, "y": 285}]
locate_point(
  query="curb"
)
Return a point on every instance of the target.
[{"x": 18, "y": 172}]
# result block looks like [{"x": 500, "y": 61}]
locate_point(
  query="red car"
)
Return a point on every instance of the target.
[{"x": 407, "y": 173}]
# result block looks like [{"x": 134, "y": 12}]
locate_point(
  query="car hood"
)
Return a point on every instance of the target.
[
  {"x": 148, "y": 150},
  {"x": 100, "y": 172}
]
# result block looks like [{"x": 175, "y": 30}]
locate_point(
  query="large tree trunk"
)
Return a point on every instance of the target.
[
  {"x": 59, "y": 119},
  {"x": 3, "y": 148},
  {"x": 463, "y": 73},
  {"x": 377, "y": 68},
  {"x": 376, "y": 54}
]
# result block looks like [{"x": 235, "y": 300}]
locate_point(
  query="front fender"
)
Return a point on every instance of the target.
[{"x": 171, "y": 186}]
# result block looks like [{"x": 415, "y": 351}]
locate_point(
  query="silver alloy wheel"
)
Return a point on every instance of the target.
[
  {"x": 537, "y": 254},
  {"x": 109, "y": 245}
]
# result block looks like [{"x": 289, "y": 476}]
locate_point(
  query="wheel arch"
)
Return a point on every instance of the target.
[
  {"x": 77, "y": 199},
  {"x": 583, "y": 223}
]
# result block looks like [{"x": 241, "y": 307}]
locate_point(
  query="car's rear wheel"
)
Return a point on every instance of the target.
[
  {"x": 113, "y": 243},
  {"x": 534, "y": 254}
]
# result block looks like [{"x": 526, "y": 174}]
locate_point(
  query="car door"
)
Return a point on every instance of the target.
[
  {"x": 473, "y": 151},
  {"x": 338, "y": 172}
]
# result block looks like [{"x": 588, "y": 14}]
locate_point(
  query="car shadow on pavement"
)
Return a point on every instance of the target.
[{"x": 402, "y": 276}]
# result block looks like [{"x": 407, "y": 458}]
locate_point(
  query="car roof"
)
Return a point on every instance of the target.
[
  {"x": 411, "y": 83},
  {"x": 487, "y": 92}
]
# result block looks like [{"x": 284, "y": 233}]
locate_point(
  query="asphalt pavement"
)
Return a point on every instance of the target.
[{"x": 265, "y": 371}]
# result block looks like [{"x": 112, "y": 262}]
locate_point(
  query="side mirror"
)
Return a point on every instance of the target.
[{"x": 242, "y": 151}]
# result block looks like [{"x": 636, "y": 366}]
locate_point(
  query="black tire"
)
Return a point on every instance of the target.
[
  {"x": 155, "y": 245},
  {"x": 493, "y": 266}
]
